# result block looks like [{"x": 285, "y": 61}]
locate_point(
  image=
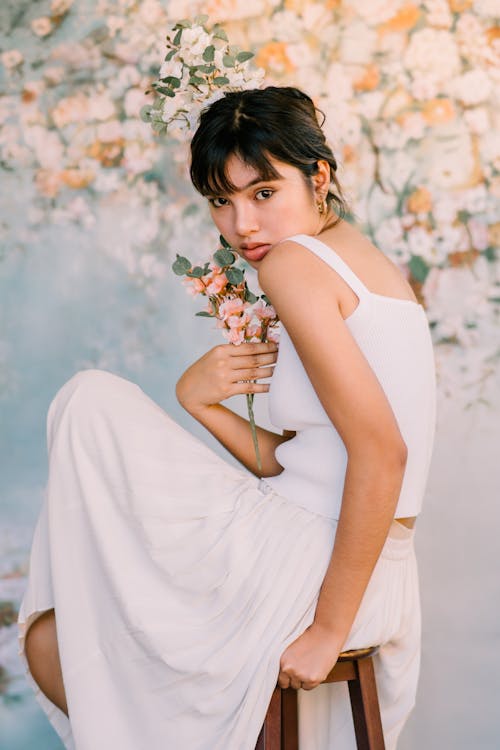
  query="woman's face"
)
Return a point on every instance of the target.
[{"x": 260, "y": 213}]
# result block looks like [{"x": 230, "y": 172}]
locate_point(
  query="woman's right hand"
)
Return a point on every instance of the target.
[{"x": 225, "y": 371}]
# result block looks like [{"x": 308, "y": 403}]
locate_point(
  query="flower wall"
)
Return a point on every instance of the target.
[{"x": 408, "y": 91}]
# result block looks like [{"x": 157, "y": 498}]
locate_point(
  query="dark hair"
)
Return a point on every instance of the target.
[{"x": 277, "y": 121}]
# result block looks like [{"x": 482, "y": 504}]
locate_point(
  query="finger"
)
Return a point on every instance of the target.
[
  {"x": 254, "y": 360},
  {"x": 255, "y": 373},
  {"x": 309, "y": 685},
  {"x": 295, "y": 683},
  {"x": 248, "y": 348},
  {"x": 283, "y": 680},
  {"x": 248, "y": 387}
]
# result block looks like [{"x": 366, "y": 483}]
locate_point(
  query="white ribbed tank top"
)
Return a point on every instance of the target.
[{"x": 394, "y": 336}]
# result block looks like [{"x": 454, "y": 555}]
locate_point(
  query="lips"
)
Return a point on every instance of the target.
[{"x": 255, "y": 252}]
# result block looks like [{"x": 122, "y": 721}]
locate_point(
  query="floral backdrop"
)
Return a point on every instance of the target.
[{"x": 408, "y": 92}]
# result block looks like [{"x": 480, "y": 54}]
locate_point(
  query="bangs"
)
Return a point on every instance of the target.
[{"x": 209, "y": 171}]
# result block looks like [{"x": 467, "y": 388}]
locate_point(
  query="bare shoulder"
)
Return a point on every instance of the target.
[{"x": 288, "y": 260}]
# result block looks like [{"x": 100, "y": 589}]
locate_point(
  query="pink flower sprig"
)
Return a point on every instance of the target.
[{"x": 241, "y": 315}]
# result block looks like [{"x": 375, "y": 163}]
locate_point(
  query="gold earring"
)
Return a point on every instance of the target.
[{"x": 322, "y": 206}]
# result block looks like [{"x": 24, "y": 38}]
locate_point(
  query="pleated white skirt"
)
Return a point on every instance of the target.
[{"x": 178, "y": 583}]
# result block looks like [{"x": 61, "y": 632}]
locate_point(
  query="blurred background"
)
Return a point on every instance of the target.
[{"x": 94, "y": 206}]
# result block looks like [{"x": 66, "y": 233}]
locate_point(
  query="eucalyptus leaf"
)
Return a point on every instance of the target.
[
  {"x": 196, "y": 81},
  {"x": 177, "y": 38},
  {"x": 145, "y": 113},
  {"x": 221, "y": 80},
  {"x": 228, "y": 61},
  {"x": 172, "y": 81},
  {"x": 209, "y": 54},
  {"x": 204, "y": 314},
  {"x": 224, "y": 257},
  {"x": 219, "y": 33},
  {"x": 181, "y": 265},
  {"x": 206, "y": 68},
  {"x": 165, "y": 91},
  {"x": 196, "y": 273},
  {"x": 170, "y": 55},
  {"x": 250, "y": 296},
  {"x": 234, "y": 276},
  {"x": 244, "y": 56},
  {"x": 418, "y": 268},
  {"x": 201, "y": 19}
]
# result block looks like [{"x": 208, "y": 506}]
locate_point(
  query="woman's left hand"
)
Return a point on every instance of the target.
[{"x": 307, "y": 661}]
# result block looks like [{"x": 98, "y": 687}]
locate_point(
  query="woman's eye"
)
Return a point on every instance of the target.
[
  {"x": 264, "y": 194},
  {"x": 218, "y": 202}
]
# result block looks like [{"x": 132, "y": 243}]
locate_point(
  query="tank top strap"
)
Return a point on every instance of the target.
[{"x": 330, "y": 257}]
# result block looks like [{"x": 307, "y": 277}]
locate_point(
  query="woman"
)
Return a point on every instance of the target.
[{"x": 184, "y": 587}]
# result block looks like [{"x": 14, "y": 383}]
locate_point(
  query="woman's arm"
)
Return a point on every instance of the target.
[
  {"x": 358, "y": 408},
  {"x": 219, "y": 374}
]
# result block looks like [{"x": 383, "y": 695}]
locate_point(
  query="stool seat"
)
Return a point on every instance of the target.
[{"x": 280, "y": 728}]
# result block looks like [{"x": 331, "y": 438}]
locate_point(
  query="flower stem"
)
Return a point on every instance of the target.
[{"x": 253, "y": 429}]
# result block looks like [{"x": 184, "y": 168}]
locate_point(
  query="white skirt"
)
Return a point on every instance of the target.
[{"x": 178, "y": 582}]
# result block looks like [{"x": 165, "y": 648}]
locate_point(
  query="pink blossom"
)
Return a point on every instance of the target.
[
  {"x": 263, "y": 311},
  {"x": 254, "y": 331},
  {"x": 234, "y": 336},
  {"x": 237, "y": 321},
  {"x": 273, "y": 335},
  {"x": 217, "y": 284},
  {"x": 233, "y": 306},
  {"x": 193, "y": 286}
]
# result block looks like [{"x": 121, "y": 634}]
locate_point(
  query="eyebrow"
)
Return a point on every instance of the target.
[{"x": 255, "y": 181}]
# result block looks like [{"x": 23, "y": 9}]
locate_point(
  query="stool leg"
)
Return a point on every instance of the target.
[
  {"x": 365, "y": 707},
  {"x": 270, "y": 734},
  {"x": 289, "y": 720}
]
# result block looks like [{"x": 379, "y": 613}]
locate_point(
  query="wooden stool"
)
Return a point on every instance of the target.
[{"x": 280, "y": 728}]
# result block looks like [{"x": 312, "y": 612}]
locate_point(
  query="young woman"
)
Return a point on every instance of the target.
[{"x": 184, "y": 587}]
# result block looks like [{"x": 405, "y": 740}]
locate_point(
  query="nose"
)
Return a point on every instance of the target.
[{"x": 245, "y": 220}]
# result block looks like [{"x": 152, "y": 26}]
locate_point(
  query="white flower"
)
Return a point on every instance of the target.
[
  {"x": 432, "y": 52},
  {"x": 109, "y": 131},
  {"x": 11, "y": 58},
  {"x": 421, "y": 242},
  {"x": 473, "y": 87},
  {"x": 172, "y": 68},
  {"x": 101, "y": 107},
  {"x": 486, "y": 8},
  {"x": 438, "y": 13},
  {"x": 374, "y": 12},
  {"x": 60, "y": 7},
  {"x": 477, "y": 119},
  {"x": 195, "y": 41},
  {"x": 357, "y": 44},
  {"x": 41, "y": 26}
]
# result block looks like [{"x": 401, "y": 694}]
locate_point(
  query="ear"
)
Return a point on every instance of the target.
[{"x": 322, "y": 179}]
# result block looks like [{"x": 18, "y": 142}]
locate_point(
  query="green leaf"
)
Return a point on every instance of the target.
[
  {"x": 172, "y": 81},
  {"x": 196, "y": 273},
  {"x": 196, "y": 81},
  {"x": 228, "y": 61},
  {"x": 165, "y": 91},
  {"x": 201, "y": 20},
  {"x": 234, "y": 276},
  {"x": 181, "y": 265},
  {"x": 204, "y": 314},
  {"x": 221, "y": 80},
  {"x": 219, "y": 33},
  {"x": 206, "y": 268},
  {"x": 177, "y": 38},
  {"x": 250, "y": 296},
  {"x": 244, "y": 56},
  {"x": 209, "y": 54},
  {"x": 224, "y": 257},
  {"x": 145, "y": 113},
  {"x": 170, "y": 55},
  {"x": 266, "y": 299},
  {"x": 206, "y": 68},
  {"x": 418, "y": 268},
  {"x": 224, "y": 242}
]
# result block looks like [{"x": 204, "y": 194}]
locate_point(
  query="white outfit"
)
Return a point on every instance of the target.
[{"x": 178, "y": 579}]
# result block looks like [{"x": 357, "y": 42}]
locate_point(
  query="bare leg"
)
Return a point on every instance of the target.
[{"x": 42, "y": 654}]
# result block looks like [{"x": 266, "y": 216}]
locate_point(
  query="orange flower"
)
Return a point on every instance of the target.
[
  {"x": 462, "y": 258},
  {"x": 76, "y": 178},
  {"x": 274, "y": 55},
  {"x": 404, "y": 20},
  {"x": 438, "y": 111},
  {"x": 458, "y": 6},
  {"x": 109, "y": 154},
  {"x": 47, "y": 182},
  {"x": 420, "y": 201},
  {"x": 369, "y": 80},
  {"x": 492, "y": 35}
]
